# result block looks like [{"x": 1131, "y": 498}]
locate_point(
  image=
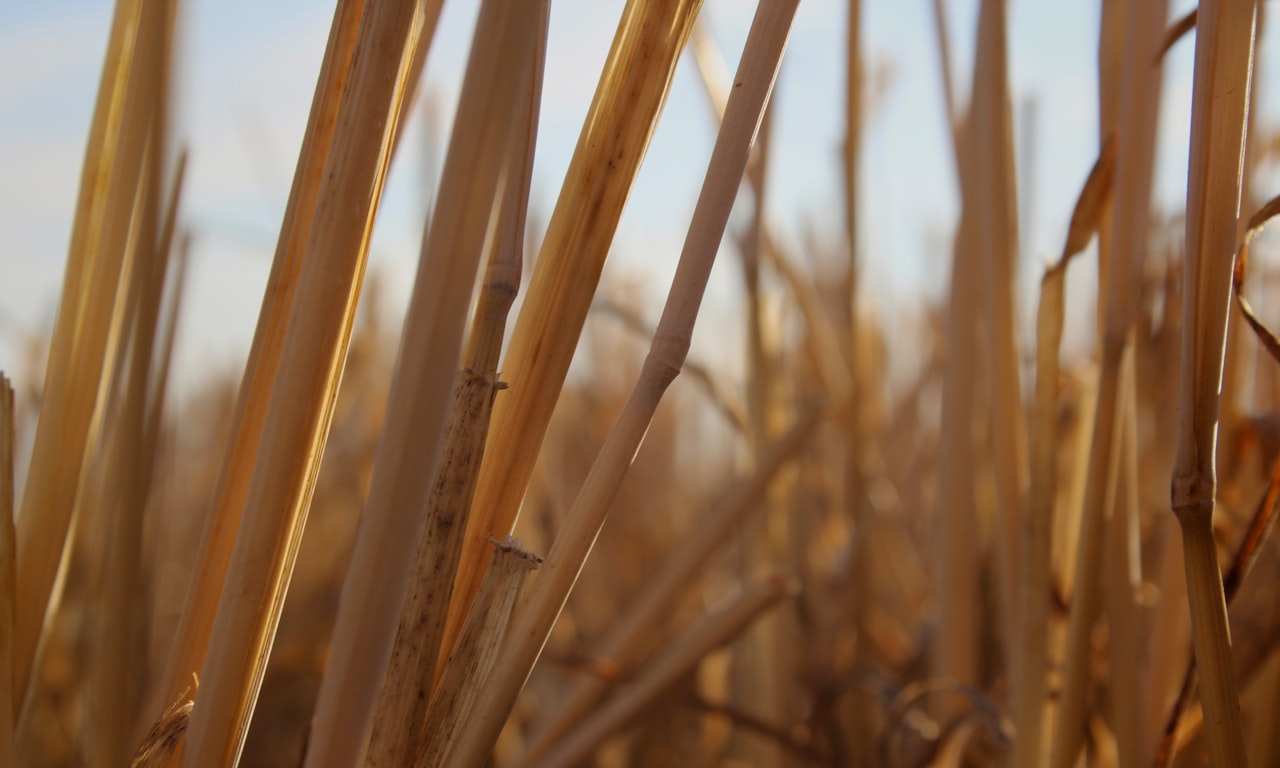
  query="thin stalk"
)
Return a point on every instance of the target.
[
  {"x": 7, "y": 709},
  {"x": 551, "y": 586},
  {"x": 676, "y": 662},
  {"x": 401, "y": 707},
  {"x": 112, "y": 700},
  {"x": 1220, "y": 97},
  {"x": 80, "y": 349},
  {"x": 1123, "y": 579},
  {"x": 300, "y": 408},
  {"x": 997, "y": 208},
  {"x": 468, "y": 669},
  {"x": 623, "y": 114},
  {"x": 632, "y": 634},
  {"x": 191, "y": 638},
  {"x": 1037, "y": 558},
  {"x": 1124, "y": 240},
  {"x": 761, "y": 667}
]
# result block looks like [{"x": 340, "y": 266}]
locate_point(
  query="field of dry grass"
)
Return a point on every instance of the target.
[{"x": 1004, "y": 556}]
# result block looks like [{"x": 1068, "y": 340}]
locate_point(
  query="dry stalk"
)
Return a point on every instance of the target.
[
  {"x": 81, "y": 349},
  {"x": 300, "y": 407},
  {"x": 632, "y": 635},
  {"x": 996, "y": 209},
  {"x": 1223, "y": 65},
  {"x": 862, "y": 740},
  {"x": 1034, "y": 612},
  {"x": 191, "y": 638},
  {"x": 1133, "y": 110},
  {"x": 467, "y": 671},
  {"x": 7, "y": 709},
  {"x": 112, "y": 700},
  {"x": 676, "y": 662},
  {"x": 721, "y": 395},
  {"x": 550, "y": 588},
  {"x": 822, "y": 337},
  {"x": 1247, "y": 553},
  {"x": 615, "y": 135},
  {"x": 401, "y": 707},
  {"x": 761, "y": 665}
]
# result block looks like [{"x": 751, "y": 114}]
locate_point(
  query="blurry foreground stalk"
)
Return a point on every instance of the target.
[{"x": 406, "y": 686}]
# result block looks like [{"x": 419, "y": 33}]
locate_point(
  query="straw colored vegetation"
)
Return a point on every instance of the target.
[{"x": 973, "y": 561}]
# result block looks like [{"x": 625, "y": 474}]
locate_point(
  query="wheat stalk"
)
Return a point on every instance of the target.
[
  {"x": 1223, "y": 65},
  {"x": 7, "y": 594},
  {"x": 300, "y": 408},
  {"x": 400, "y": 709},
  {"x": 549, "y": 589},
  {"x": 615, "y": 135},
  {"x": 468, "y": 669},
  {"x": 83, "y": 344},
  {"x": 191, "y": 638}
]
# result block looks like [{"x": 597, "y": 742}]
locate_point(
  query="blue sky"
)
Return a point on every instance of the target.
[{"x": 248, "y": 70}]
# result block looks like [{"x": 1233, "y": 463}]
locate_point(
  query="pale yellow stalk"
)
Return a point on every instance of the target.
[
  {"x": 300, "y": 408},
  {"x": 615, "y": 135},
  {"x": 549, "y": 589}
]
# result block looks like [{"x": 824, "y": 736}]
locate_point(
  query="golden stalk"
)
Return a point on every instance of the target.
[
  {"x": 1123, "y": 578},
  {"x": 1123, "y": 241},
  {"x": 632, "y": 634},
  {"x": 191, "y": 638},
  {"x": 1034, "y": 612},
  {"x": 467, "y": 670},
  {"x": 551, "y": 586},
  {"x": 399, "y": 714},
  {"x": 81, "y": 349},
  {"x": 623, "y": 114},
  {"x": 862, "y": 740},
  {"x": 112, "y": 700},
  {"x": 996, "y": 210},
  {"x": 1220, "y": 97},
  {"x": 8, "y": 711},
  {"x": 300, "y": 407},
  {"x": 676, "y": 661}
]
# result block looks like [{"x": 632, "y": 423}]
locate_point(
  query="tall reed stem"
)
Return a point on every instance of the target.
[
  {"x": 616, "y": 132},
  {"x": 7, "y": 708},
  {"x": 405, "y": 465},
  {"x": 300, "y": 408},
  {"x": 191, "y": 638},
  {"x": 1223, "y": 66},
  {"x": 550, "y": 587}
]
